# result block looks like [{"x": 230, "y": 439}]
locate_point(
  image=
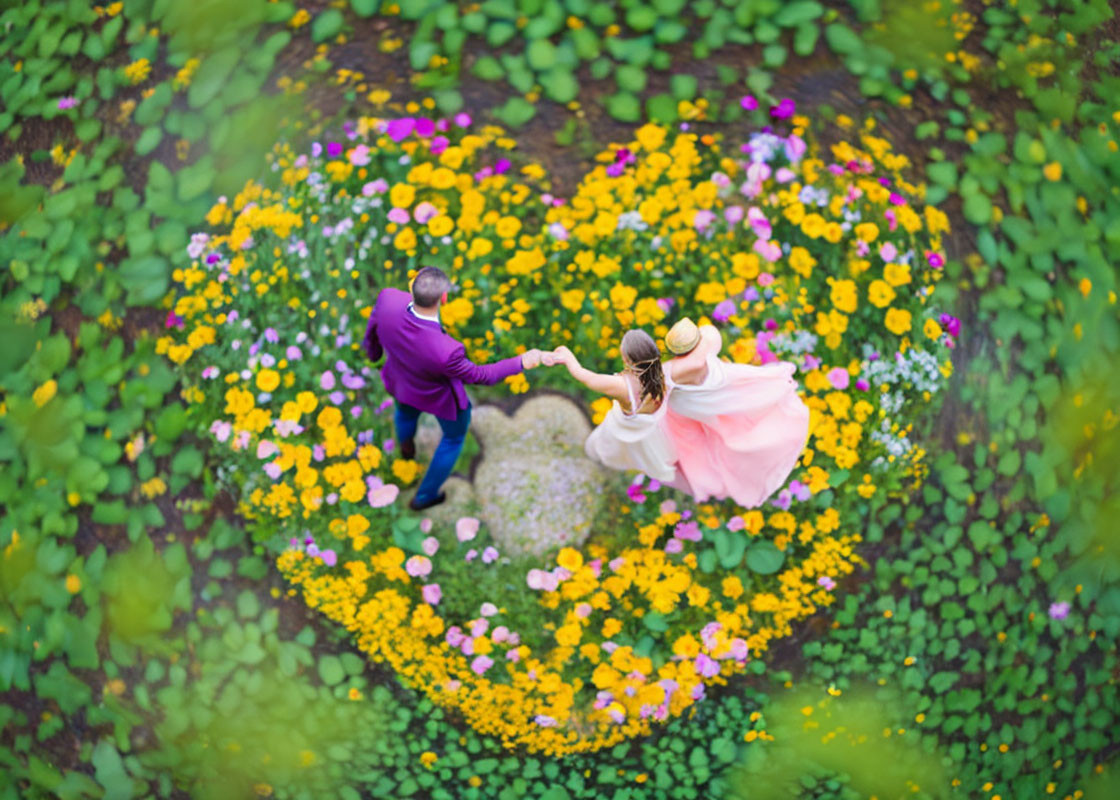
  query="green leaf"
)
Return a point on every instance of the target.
[
  {"x": 764, "y": 558},
  {"x": 145, "y": 279},
  {"x": 560, "y": 85},
  {"x": 541, "y": 54},
  {"x": 516, "y": 112},
  {"x": 330, "y": 670},
  {"x": 327, "y": 25},
  {"x": 624, "y": 107}
]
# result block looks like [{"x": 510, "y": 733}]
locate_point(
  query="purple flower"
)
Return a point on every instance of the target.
[
  {"x": 1059, "y": 610},
  {"x": 334, "y": 150},
  {"x": 463, "y": 120},
  {"x": 783, "y": 500},
  {"x": 330, "y": 557},
  {"x": 706, "y": 666},
  {"x": 674, "y": 546},
  {"x": 67, "y": 102},
  {"x": 952, "y": 325},
  {"x": 399, "y": 216},
  {"x": 748, "y": 102},
  {"x": 338, "y": 398},
  {"x": 689, "y": 531},
  {"x": 326, "y": 381},
  {"x": 503, "y": 165},
  {"x": 425, "y": 128},
  {"x": 784, "y": 110},
  {"x": 634, "y": 492},
  {"x": 826, "y": 582},
  {"x": 544, "y": 721},
  {"x": 723, "y": 310},
  {"x": 481, "y": 664},
  {"x": 703, "y": 219},
  {"x": 935, "y": 260},
  {"x": 432, "y": 594},
  {"x": 489, "y": 555}
]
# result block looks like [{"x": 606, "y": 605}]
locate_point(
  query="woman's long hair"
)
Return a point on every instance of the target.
[{"x": 641, "y": 351}]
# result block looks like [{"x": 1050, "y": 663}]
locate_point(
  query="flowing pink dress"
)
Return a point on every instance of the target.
[
  {"x": 635, "y": 441},
  {"x": 740, "y": 433}
]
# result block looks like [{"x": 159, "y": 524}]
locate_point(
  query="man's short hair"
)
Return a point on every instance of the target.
[{"x": 429, "y": 286}]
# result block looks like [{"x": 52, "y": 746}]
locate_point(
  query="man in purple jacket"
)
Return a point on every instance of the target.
[{"x": 425, "y": 370}]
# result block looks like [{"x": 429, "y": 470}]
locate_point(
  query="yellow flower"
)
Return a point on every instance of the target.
[
  {"x": 572, "y": 299},
  {"x": 508, "y": 227},
  {"x": 299, "y": 19},
  {"x": 570, "y": 559},
  {"x": 732, "y": 587},
  {"x": 844, "y": 295},
  {"x": 45, "y": 393},
  {"x": 441, "y": 225},
  {"x": 897, "y": 321},
  {"x": 880, "y": 293},
  {"x": 802, "y": 262},
  {"x": 599, "y": 409},
  {"x": 73, "y": 583},
  {"x": 306, "y": 401},
  {"x": 1052, "y": 171},
  {"x": 405, "y": 470},
  {"x": 650, "y": 137},
  {"x": 268, "y": 380},
  {"x": 402, "y": 195},
  {"x": 931, "y": 329},
  {"x": 867, "y": 231},
  {"x": 138, "y": 71},
  {"x": 896, "y": 274},
  {"x": 622, "y": 297},
  {"x": 428, "y": 758},
  {"x": 405, "y": 239}
]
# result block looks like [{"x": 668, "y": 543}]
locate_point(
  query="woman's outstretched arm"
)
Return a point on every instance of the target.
[{"x": 610, "y": 385}]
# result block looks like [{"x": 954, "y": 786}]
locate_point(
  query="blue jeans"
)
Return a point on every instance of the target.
[{"x": 447, "y": 453}]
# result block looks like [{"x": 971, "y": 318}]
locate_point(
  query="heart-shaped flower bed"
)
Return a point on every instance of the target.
[{"x": 825, "y": 263}]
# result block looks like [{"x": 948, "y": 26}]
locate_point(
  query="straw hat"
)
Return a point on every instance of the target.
[{"x": 683, "y": 337}]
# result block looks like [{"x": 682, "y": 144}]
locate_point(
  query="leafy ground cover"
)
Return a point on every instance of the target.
[{"x": 1015, "y": 116}]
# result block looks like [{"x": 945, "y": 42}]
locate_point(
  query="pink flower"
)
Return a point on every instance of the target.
[
  {"x": 399, "y": 216},
  {"x": 688, "y": 531},
  {"x": 67, "y": 102},
  {"x": 702, "y": 219},
  {"x": 768, "y": 250},
  {"x": 513, "y": 655},
  {"x": 583, "y": 610},
  {"x": 826, "y": 582},
  {"x": 667, "y": 506},
  {"x": 706, "y": 666},
  {"x": 326, "y": 381},
  {"x": 272, "y": 470},
  {"x": 488, "y": 610},
  {"x": 1059, "y": 610},
  {"x": 765, "y": 279},
  {"x": 463, "y": 119},
  {"x": 471, "y": 555},
  {"x": 887, "y": 251},
  {"x": 535, "y": 579},
  {"x": 418, "y": 566},
  {"x": 481, "y": 664},
  {"x": 674, "y": 546},
  {"x": 784, "y": 109},
  {"x": 723, "y": 311},
  {"x": 838, "y": 377},
  {"x": 359, "y": 156},
  {"x": 935, "y": 260},
  {"x": 759, "y": 223},
  {"x": 330, "y": 557},
  {"x": 266, "y": 449},
  {"x": 748, "y": 102},
  {"x": 736, "y": 523},
  {"x": 430, "y": 545},
  {"x": 544, "y": 721},
  {"x": 454, "y": 636},
  {"x": 500, "y": 634},
  {"x": 210, "y": 373},
  {"x": 432, "y": 594},
  {"x": 466, "y": 528},
  {"x": 424, "y": 212},
  {"x": 733, "y": 215},
  {"x": 425, "y": 525},
  {"x": 221, "y": 429},
  {"x": 489, "y": 555},
  {"x": 383, "y": 495}
]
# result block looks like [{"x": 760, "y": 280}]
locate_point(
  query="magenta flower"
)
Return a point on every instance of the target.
[
  {"x": 935, "y": 260},
  {"x": 784, "y": 110},
  {"x": 334, "y": 150},
  {"x": 67, "y": 102},
  {"x": 688, "y": 531},
  {"x": 432, "y": 594},
  {"x": 463, "y": 120},
  {"x": 1059, "y": 610},
  {"x": 706, "y": 666},
  {"x": 951, "y": 324},
  {"x": 173, "y": 320},
  {"x": 748, "y": 102},
  {"x": 634, "y": 492}
]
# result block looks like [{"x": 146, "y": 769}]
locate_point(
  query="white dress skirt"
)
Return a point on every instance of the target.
[{"x": 635, "y": 441}]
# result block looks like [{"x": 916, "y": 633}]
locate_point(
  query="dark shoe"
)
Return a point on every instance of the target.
[
  {"x": 421, "y": 506},
  {"x": 408, "y": 449}
]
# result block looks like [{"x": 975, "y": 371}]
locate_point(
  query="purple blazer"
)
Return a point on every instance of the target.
[{"x": 424, "y": 367}]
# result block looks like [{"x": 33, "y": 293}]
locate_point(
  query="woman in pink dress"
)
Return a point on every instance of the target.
[
  {"x": 738, "y": 429},
  {"x": 633, "y": 435}
]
